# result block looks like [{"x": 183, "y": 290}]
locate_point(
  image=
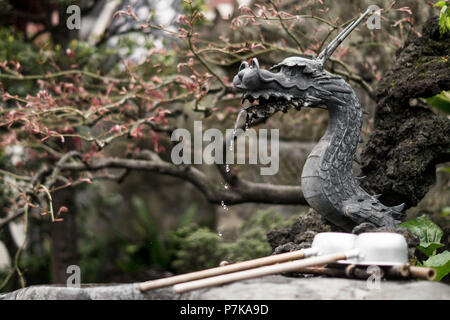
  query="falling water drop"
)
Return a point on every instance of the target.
[
  {"x": 220, "y": 234},
  {"x": 226, "y": 186},
  {"x": 224, "y": 206},
  {"x": 227, "y": 168},
  {"x": 236, "y": 124}
]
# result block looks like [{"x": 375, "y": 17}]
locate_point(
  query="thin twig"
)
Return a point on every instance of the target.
[{"x": 289, "y": 33}]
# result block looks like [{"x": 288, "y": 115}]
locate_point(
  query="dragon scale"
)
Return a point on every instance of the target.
[{"x": 327, "y": 179}]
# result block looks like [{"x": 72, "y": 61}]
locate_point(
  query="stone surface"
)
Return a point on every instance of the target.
[
  {"x": 300, "y": 234},
  {"x": 267, "y": 288},
  {"x": 89, "y": 292}
]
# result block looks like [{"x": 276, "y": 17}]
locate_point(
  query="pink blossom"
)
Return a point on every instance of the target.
[
  {"x": 62, "y": 210},
  {"x": 405, "y": 9}
]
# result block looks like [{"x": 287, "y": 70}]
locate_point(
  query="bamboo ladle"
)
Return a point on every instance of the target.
[
  {"x": 325, "y": 242},
  {"x": 239, "y": 266},
  {"x": 290, "y": 266},
  {"x": 384, "y": 249},
  {"x": 330, "y": 246}
]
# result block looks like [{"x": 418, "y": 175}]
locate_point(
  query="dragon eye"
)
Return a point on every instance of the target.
[
  {"x": 255, "y": 63},
  {"x": 243, "y": 65}
]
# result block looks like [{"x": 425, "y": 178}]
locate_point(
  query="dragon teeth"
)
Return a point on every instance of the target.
[{"x": 266, "y": 96}]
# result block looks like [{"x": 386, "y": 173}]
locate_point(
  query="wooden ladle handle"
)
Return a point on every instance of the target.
[
  {"x": 239, "y": 266},
  {"x": 259, "y": 272},
  {"x": 422, "y": 273}
]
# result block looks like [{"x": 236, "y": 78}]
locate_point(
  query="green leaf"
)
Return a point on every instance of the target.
[
  {"x": 428, "y": 232},
  {"x": 439, "y": 262},
  {"x": 440, "y": 4},
  {"x": 441, "y": 101},
  {"x": 445, "y": 211},
  {"x": 443, "y": 20},
  {"x": 446, "y": 170},
  {"x": 430, "y": 249},
  {"x": 188, "y": 217}
]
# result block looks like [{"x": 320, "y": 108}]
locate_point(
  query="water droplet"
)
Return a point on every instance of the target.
[
  {"x": 236, "y": 125},
  {"x": 227, "y": 168},
  {"x": 220, "y": 234},
  {"x": 226, "y": 187},
  {"x": 224, "y": 206}
]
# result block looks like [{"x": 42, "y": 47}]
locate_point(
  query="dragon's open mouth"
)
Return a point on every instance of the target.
[
  {"x": 266, "y": 103},
  {"x": 277, "y": 100}
]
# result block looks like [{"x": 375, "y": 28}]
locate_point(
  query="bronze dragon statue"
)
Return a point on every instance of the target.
[{"x": 327, "y": 179}]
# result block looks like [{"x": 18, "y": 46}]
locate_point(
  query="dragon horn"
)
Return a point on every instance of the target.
[{"x": 328, "y": 51}]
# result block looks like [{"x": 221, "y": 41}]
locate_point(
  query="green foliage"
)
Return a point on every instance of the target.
[
  {"x": 430, "y": 236},
  {"x": 446, "y": 169},
  {"x": 150, "y": 233},
  {"x": 189, "y": 215},
  {"x": 194, "y": 5},
  {"x": 267, "y": 220},
  {"x": 41, "y": 60},
  {"x": 116, "y": 251},
  {"x": 441, "y": 101},
  {"x": 428, "y": 232},
  {"x": 13, "y": 47},
  {"x": 444, "y": 17},
  {"x": 144, "y": 246},
  {"x": 440, "y": 262},
  {"x": 96, "y": 253},
  {"x": 445, "y": 211},
  {"x": 5, "y": 6},
  {"x": 195, "y": 248},
  {"x": 251, "y": 244}
]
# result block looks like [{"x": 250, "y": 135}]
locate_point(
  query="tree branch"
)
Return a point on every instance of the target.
[{"x": 242, "y": 191}]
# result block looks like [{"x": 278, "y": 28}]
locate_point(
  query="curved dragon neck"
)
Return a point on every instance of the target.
[
  {"x": 332, "y": 158},
  {"x": 337, "y": 148},
  {"x": 327, "y": 178}
]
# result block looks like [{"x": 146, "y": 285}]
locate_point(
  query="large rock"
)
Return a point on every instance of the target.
[
  {"x": 267, "y": 288},
  {"x": 409, "y": 139}
]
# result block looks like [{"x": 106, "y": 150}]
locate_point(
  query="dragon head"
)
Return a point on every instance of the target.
[
  {"x": 288, "y": 84},
  {"x": 295, "y": 82}
]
